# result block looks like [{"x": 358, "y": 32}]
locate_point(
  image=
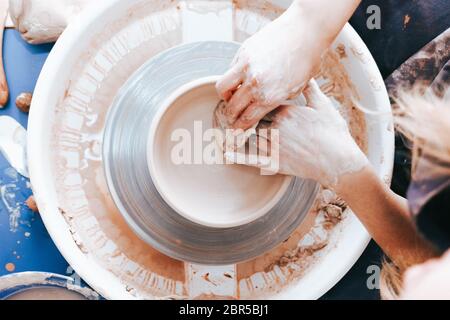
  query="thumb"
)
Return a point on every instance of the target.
[
  {"x": 261, "y": 162},
  {"x": 315, "y": 98},
  {"x": 251, "y": 160}
]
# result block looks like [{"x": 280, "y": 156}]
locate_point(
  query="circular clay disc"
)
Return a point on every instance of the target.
[{"x": 132, "y": 187}]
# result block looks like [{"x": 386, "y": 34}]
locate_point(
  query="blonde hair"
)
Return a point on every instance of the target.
[
  {"x": 424, "y": 120},
  {"x": 390, "y": 281}
]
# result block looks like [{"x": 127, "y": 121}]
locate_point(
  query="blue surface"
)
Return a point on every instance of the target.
[{"x": 29, "y": 248}]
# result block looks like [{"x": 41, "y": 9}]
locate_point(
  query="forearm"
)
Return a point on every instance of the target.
[
  {"x": 386, "y": 216},
  {"x": 329, "y": 17}
]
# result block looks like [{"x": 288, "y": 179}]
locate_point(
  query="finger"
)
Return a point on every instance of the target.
[
  {"x": 264, "y": 124},
  {"x": 238, "y": 57},
  {"x": 263, "y": 130},
  {"x": 260, "y": 144},
  {"x": 271, "y": 116},
  {"x": 252, "y": 115},
  {"x": 282, "y": 112},
  {"x": 230, "y": 82},
  {"x": 240, "y": 100},
  {"x": 264, "y": 163},
  {"x": 308, "y": 115},
  {"x": 264, "y": 146},
  {"x": 315, "y": 98},
  {"x": 248, "y": 160}
]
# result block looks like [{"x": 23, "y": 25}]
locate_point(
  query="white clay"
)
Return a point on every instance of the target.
[
  {"x": 9, "y": 23},
  {"x": 13, "y": 143},
  {"x": 47, "y": 293},
  {"x": 209, "y": 193},
  {"x": 230, "y": 139},
  {"x": 43, "y": 21}
]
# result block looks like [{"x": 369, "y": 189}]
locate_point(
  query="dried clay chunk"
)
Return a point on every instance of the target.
[
  {"x": 23, "y": 101},
  {"x": 31, "y": 204},
  {"x": 231, "y": 139}
]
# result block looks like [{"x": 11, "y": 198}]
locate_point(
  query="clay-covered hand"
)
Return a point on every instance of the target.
[
  {"x": 272, "y": 66},
  {"x": 312, "y": 141}
]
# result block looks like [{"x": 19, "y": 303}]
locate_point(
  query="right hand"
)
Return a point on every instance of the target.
[
  {"x": 314, "y": 141},
  {"x": 272, "y": 66}
]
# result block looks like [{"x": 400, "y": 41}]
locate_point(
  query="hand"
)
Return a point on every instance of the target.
[
  {"x": 314, "y": 141},
  {"x": 271, "y": 67}
]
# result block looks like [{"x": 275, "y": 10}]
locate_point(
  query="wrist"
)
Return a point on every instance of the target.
[
  {"x": 302, "y": 18},
  {"x": 347, "y": 184},
  {"x": 347, "y": 161},
  {"x": 328, "y": 17}
]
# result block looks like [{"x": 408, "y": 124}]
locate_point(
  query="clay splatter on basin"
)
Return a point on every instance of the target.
[{"x": 96, "y": 225}]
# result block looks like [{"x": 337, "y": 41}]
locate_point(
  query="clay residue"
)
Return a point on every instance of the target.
[
  {"x": 328, "y": 215},
  {"x": 264, "y": 262},
  {"x": 285, "y": 265},
  {"x": 13, "y": 188},
  {"x": 252, "y": 15},
  {"x": 213, "y": 297},
  {"x": 406, "y": 20},
  {"x": 95, "y": 223},
  {"x": 31, "y": 204},
  {"x": 339, "y": 86},
  {"x": 263, "y": 8},
  {"x": 44, "y": 279},
  {"x": 10, "y": 267},
  {"x": 341, "y": 51}
]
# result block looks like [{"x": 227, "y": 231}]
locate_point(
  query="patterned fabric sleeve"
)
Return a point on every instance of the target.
[
  {"x": 428, "y": 68},
  {"x": 429, "y": 197}
]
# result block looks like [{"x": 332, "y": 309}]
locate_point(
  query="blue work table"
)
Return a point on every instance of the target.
[{"x": 28, "y": 247}]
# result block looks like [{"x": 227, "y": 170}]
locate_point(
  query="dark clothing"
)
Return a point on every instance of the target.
[
  {"x": 430, "y": 68},
  {"x": 413, "y": 47},
  {"x": 406, "y": 27},
  {"x": 434, "y": 218}
]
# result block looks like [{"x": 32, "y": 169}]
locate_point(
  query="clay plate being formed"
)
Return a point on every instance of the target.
[{"x": 125, "y": 147}]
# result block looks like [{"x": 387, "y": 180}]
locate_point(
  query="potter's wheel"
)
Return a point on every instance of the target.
[
  {"x": 90, "y": 63},
  {"x": 134, "y": 192}
]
